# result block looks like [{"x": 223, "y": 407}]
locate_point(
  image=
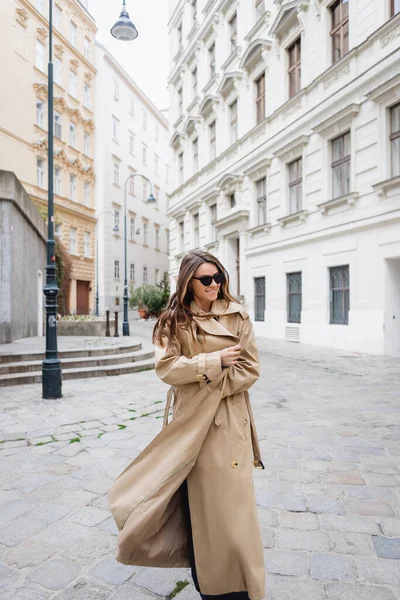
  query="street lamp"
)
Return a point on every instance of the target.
[
  {"x": 115, "y": 230},
  {"x": 150, "y": 200},
  {"x": 51, "y": 365},
  {"x": 124, "y": 29}
]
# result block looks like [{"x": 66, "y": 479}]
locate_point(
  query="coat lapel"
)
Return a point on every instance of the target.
[{"x": 208, "y": 323}]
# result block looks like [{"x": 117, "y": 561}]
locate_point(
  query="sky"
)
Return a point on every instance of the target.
[{"x": 146, "y": 59}]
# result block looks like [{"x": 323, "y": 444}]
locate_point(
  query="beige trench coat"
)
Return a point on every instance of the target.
[{"x": 211, "y": 442}]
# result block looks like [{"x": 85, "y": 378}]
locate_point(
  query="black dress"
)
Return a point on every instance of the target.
[{"x": 231, "y": 595}]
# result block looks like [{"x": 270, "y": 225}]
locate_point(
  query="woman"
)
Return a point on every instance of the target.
[{"x": 204, "y": 341}]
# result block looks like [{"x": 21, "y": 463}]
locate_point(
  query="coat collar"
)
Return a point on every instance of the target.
[{"x": 211, "y": 325}]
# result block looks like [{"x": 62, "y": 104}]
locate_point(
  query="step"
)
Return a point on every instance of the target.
[
  {"x": 82, "y": 373},
  {"x": 73, "y": 353},
  {"x": 70, "y": 363}
]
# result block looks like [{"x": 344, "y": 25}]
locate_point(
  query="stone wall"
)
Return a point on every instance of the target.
[{"x": 22, "y": 262}]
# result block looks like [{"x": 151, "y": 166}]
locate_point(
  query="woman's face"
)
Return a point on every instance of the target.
[{"x": 205, "y": 294}]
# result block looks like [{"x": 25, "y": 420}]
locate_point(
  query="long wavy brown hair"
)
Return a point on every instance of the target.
[{"x": 177, "y": 314}]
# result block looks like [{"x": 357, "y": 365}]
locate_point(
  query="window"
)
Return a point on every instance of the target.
[
  {"x": 213, "y": 140},
  {"x": 116, "y": 269},
  {"x": 57, "y": 17},
  {"x": 340, "y": 29},
  {"x": 132, "y": 186},
  {"x": 86, "y": 193},
  {"x": 234, "y": 121},
  {"x": 72, "y": 187},
  {"x": 341, "y": 165},
  {"x": 57, "y": 230},
  {"x": 194, "y": 83},
  {"x": 294, "y": 68},
  {"x": 180, "y": 101},
  {"x": 86, "y": 95},
  {"x": 86, "y": 143},
  {"x": 116, "y": 173},
  {"x": 40, "y": 55},
  {"x": 145, "y": 279},
  {"x": 233, "y": 32},
  {"x": 40, "y": 172},
  {"x": 211, "y": 60},
  {"x": 195, "y": 151},
  {"x": 293, "y": 286},
  {"x": 115, "y": 129},
  {"x": 116, "y": 89},
  {"x": 40, "y": 5},
  {"x": 132, "y": 272},
  {"x": 144, "y": 115},
  {"x": 157, "y": 136},
  {"x": 145, "y": 194},
  {"x": 395, "y": 139},
  {"x": 157, "y": 239},
  {"x": 132, "y": 106},
  {"x": 145, "y": 233},
  {"x": 131, "y": 143},
  {"x": 72, "y": 135},
  {"x": 73, "y": 79},
  {"x": 132, "y": 229},
  {"x": 57, "y": 181},
  {"x": 156, "y": 164},
  {"x": 213, "y": 214},
  {"x": 179, "y": 35},
  {"x": 57, "y": 70},
  {"x": 86, "y": 48},
  {"x": 168, "y": 240},
  {"x": 144, "y": 154},
  {"x": 232, "y": 200},
  {"x": 194, "y": 11},
  {"x": 196, "y": 230},
  {"x": 156, "y": 276},
  {"x": 260, "y": 98},
  {"x": 395, "y": 7},
  {"x": 261, "y": 201},
  {"x": 57, "y": 125},
  {"x": 72, "y": 240},
  {"x": 259, "y": 298},
  {"x": 167, "y": 173},
  {"x": 181, "y": 236},
  {"x": 116, "y": 219},
  {"x": 73, "y": 30},
  {"x": 339, "y": 295},
  {"x": 295, "y": 186},
  {"x": 260, "y": 8},
  {"x": 39, "y": 113},
  {"x": 86, "y": 244}
]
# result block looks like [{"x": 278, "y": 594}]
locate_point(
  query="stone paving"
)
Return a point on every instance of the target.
[{"x": 329, "y": 499}]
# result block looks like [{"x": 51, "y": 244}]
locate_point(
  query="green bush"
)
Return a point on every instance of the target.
[{"x": 152, "y": 298}]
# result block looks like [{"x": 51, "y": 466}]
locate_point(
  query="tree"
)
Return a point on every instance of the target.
[{"x": 63, "y": 274}]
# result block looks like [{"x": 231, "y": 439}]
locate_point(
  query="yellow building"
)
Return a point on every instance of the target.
[{"x": 23, "y": 123}]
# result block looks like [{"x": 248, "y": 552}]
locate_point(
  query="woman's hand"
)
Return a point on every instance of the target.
[{"x": 230, "y": 356}]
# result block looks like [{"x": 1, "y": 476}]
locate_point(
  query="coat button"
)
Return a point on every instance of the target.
[{"x": 235, "y": 465}]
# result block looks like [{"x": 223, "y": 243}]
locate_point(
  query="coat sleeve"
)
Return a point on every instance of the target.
[
  {"x": 244, "y": 374},
  {"x": 175, "y": 369}
]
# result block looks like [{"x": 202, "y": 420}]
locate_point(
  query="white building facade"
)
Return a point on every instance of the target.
[
  {"x": 133, "y": 139},
  {"x": 286, "y": 139}
]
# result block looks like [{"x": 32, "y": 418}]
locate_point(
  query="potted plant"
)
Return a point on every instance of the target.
[{"x": 138, "y": 299}]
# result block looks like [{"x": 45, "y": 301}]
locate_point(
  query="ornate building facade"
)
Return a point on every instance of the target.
[
  {"x": 23, "y": 123},
  {"x": 286, "y": 136}
]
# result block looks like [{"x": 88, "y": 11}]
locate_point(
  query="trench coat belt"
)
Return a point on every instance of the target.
[{"x": 258, "y": 464}]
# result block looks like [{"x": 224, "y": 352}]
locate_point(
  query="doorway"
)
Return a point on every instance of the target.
[
  {"x": 392, "y": 308},
  {"x": 40, "y": 305},
  {"x": 82, "y": 297}
]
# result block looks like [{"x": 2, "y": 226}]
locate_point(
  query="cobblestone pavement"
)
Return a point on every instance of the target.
[{"x": 329, "y": 426}]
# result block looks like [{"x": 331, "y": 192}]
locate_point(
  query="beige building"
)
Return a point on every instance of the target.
[{"x": 23, "y": 123}]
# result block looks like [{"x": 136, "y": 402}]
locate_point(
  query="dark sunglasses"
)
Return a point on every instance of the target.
[{"x": 207, "y": 279}]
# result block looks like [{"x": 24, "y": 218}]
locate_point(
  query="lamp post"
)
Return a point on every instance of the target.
[
  {"x": 115, "y": 230},
  {"x": 51, "y": 365},
  {"x": 124, "y": 29},
  {"x": 150, "y": 200}
]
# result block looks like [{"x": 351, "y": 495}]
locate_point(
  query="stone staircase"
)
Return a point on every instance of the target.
[{"x": 26, "y": 367}]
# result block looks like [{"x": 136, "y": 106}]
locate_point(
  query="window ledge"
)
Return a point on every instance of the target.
[
  {"x": 212, "y": 245},
  {"x": 262, "y": 21},
  {"x": 214, "y": 80},
  {"x": 299, "y": 216},
  {"x": 349, "y": 200},
  {"x": 236, "y": 54},
  {"x": 178, "y": 121},
  {"x": 383, "y": 187},
  {"x": 264, "y": 228},
  {"x": 192, "y": 31}
]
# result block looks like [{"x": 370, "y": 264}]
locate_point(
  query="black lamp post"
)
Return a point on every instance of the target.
[
  {"x": 150, "y": 200},
  {"x": 51, "y": 365},
  {"x": 115, "y": 230},
  {"x": 124, "y": 29}
]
